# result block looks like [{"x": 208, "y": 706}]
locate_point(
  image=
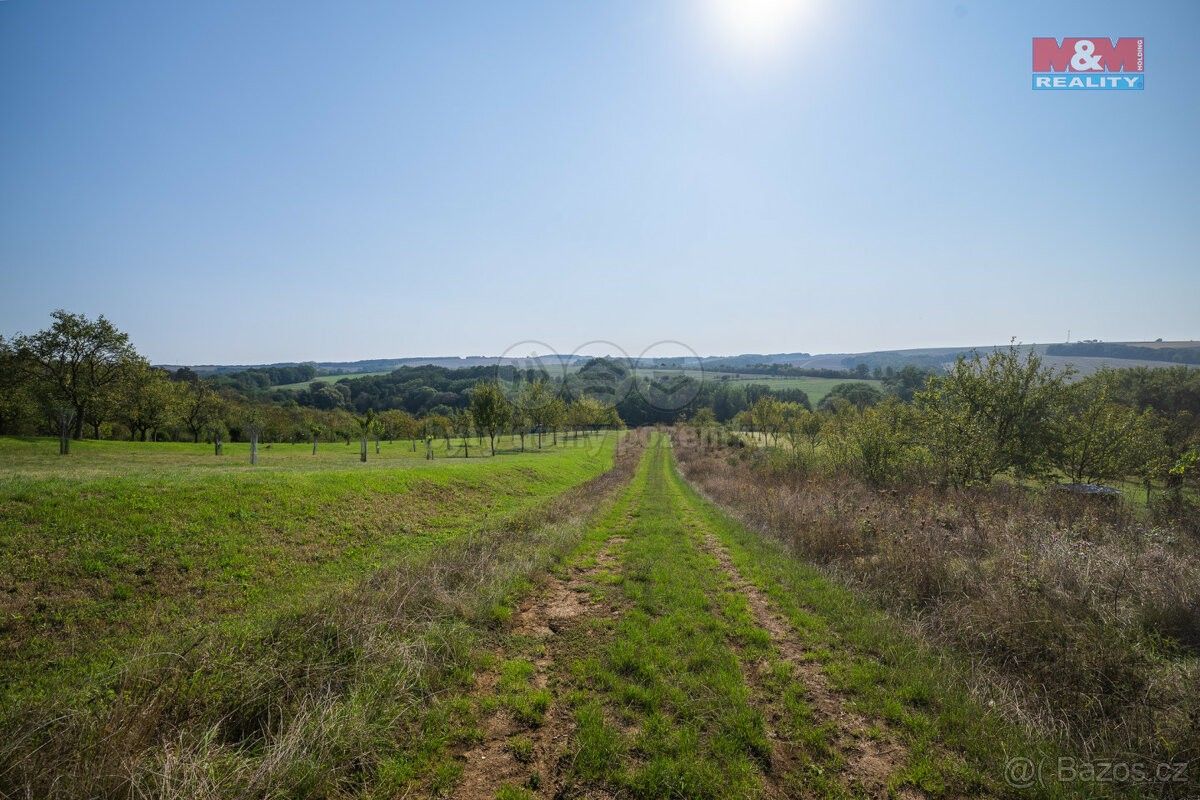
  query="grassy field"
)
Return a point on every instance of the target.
[
  {"x": 678, "y": 654},
  {"x": 579, "y": 622},
  {"x": 331, "y": 379},
  {"x": 38, "y": 456},
  {"x": 815, "y": 388},
  {"x": 121, "y": 540}
]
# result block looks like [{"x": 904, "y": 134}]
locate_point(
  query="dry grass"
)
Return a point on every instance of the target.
[
  {"x": 1080, "y": 619},
  {"x": 344, "y": 698}
]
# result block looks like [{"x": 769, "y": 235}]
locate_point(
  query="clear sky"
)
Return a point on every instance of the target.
[{"x": 239, "y": 182}]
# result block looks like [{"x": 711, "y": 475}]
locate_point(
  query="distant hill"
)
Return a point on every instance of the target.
[{"x": 1086, "y": 356}]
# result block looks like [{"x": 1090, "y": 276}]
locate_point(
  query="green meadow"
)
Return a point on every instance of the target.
[{"x": 120, "y": 541}]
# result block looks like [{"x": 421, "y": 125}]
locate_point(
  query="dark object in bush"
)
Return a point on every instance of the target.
[{"x": 1090, "y": 490}]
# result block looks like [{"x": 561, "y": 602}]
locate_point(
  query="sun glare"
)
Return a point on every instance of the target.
[{"x": 755, "y": 29}]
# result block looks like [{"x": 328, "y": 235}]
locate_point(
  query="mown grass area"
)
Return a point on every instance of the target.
[
  {"x": 331, "y": 379},
  {"x": 25, "y": 457},
  {"x": 815, "y": 388},
  {"x": 121, "y": 541},
  {"x": 356, "y": 691}
]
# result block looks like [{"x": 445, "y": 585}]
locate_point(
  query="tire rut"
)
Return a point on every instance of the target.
[
  {"x": 870, "y": 760},
  {"x": 545, "y": 614}
]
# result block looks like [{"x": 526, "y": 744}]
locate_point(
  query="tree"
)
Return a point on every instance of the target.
[
  {"x": 490, "y": 410},
  {"x": 795, "y": 417},
  {"x": 397, "y": 424},
  {"x": 991, "y": 415},
  {"x": 555, "y": 416},
  {"x": 463, "y": 425},
  {"x": 146, "y": 397},
  {"x": 521, "y": 422},
  {"x": 439, "y": 425},
  {"x": 18, "y": 409},
  {"x": 197, "y": 403},
  {"x": 585, "y": 413},
  {"x": 875, "y": 444},
  {"x": 1098, "y": 439},
  {"x": 857, "y": 394},
  {"x": 252, "y": 424},
  {"x": 702, "y": 421},
  {"x": 75, "y": 360},
  {"x": 536, "y": 401},
  {"x": 767, "y": 416},
  {"x": 366, "y": 426}
]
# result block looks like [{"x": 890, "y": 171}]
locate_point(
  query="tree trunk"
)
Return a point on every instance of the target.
[
  {"x": 314, "y": 444},
  {"x": 64, "y": 438},
  {"x": 78, "y": 433},
  {"x": 253, "y": 449},
  {"x": 362, "y": 450},
  {"x": 492, "y": 439},
  {"x": 216, "y": 444},
  {"x": 376, "y": 445}
]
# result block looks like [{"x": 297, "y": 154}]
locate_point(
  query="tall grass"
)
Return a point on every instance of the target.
[{"x": 1080, "y": 618}]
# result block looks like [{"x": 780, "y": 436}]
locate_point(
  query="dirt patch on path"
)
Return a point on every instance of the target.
[
  {"x": 870, "y": 759},
  {"x": 495, "y": 761}
]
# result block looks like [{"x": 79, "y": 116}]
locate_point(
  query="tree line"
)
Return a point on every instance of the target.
[
  {"x": 83, "y": 377},
  {"x": 1001, "y": 414}
]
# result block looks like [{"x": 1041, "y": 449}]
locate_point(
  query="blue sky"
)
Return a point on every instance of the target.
[{"x": 270, "y": 181}]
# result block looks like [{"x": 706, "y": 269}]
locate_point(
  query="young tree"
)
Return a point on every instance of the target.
[
  {"x": 521, "y": 422},
  {"x": 810, "y": 427},
  {"x": 314, "y": 429},
  {"x": 875, "y": 444},
  {"x": 555, "y": 416},
  {"x": 366, "y": 426},
  {"x": 767, "y": 413},
  {"x": 197, "y": 403},
  {"x": 490, "y": 410},
  {"x": 439, "y": 425},
  {"x": 463, "y": 425},
  {"x": 793, "y": 421},
  {"x": 252, "y": 424},
  {"x": 74, "y": 361},
  {"x": 702, "y": 422},
  {"x": 536, "y": 402},
  {"x": 1098, "y": 439}
]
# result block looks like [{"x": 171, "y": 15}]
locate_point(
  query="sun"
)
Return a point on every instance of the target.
[{"x": 755, "y": 29}]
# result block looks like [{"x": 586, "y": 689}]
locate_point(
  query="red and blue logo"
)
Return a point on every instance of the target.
[{"x": 1089, "y": 62}]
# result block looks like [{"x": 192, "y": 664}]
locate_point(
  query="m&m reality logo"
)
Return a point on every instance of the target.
[{"x": 1088, "y": 62}]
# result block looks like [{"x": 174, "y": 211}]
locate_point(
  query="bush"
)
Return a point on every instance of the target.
[{"x": 1091, "y": 616}]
